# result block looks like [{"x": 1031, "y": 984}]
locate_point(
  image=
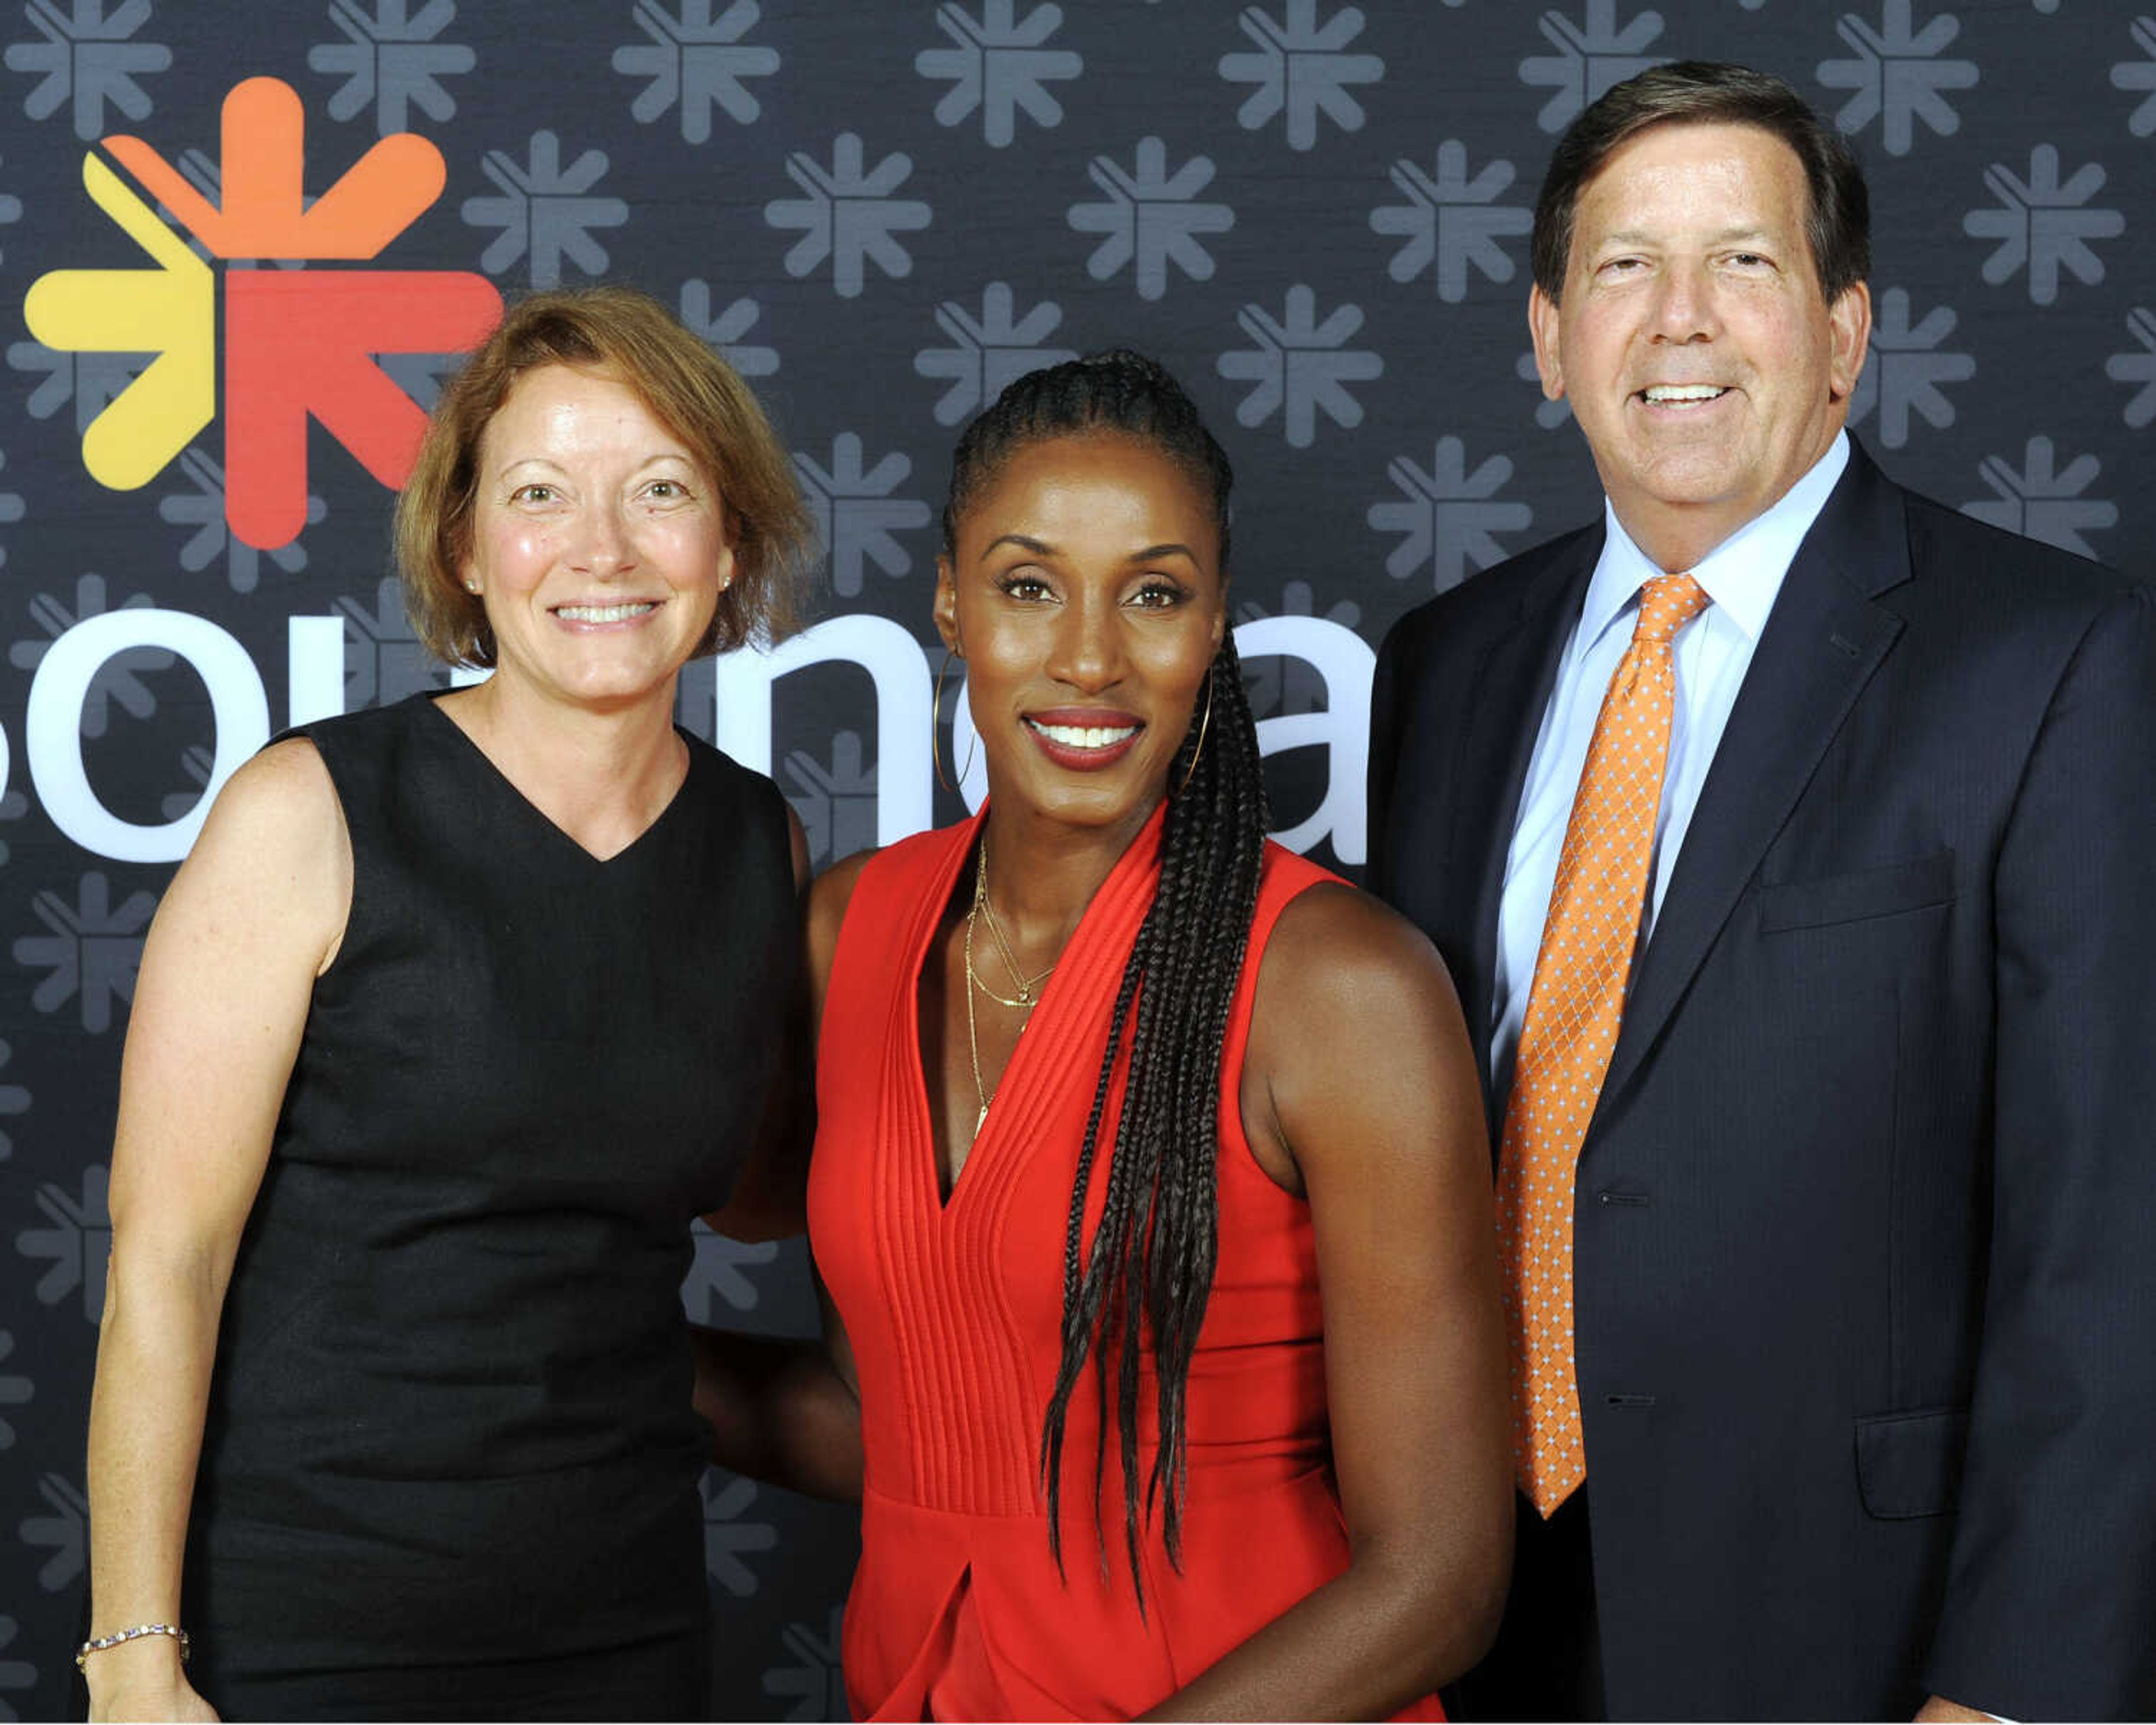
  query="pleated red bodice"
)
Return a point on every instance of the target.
[{"x": 954, "y": 1310}]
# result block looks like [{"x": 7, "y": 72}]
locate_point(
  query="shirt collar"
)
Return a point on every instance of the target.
[{"x": 1743, "y": 575}]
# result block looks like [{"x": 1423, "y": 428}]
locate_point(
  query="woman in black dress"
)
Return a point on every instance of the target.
[{"x": 458, "y": 1013}]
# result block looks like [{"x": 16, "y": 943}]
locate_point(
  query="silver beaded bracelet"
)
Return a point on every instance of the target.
[{"x": 135, "y": 1634}]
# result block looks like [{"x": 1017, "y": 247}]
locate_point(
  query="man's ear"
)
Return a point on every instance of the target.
[
  {"x": 1542, "y": 326},
  {"x": 1848, "y": 320}
]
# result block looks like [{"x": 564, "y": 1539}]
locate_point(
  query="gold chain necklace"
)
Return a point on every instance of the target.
[
  {"x": 983, "y": 909},
  {"x": 1026, "y": 1000},
  {"x": 972, "y": 1032}
]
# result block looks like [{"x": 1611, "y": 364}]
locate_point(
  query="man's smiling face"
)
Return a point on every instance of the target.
[{"x": 1699, "y": 355}]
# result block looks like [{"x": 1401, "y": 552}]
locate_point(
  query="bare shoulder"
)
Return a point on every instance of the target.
[
  {"x": 1358, "y": 1061},
  {"x": 272, "y": 863},
  {"x": 290, "y": 772},
  {"x": 828, "y": 899},
  {"x": 277, "y": 818},
  {"x": 833, "y": 891},
  {"x": 1338, "y": 953}
]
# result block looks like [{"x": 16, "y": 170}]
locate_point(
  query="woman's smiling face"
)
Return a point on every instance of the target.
[
  {"x": 1085, "y": 593},
  {"x": 598, "y": 546}
]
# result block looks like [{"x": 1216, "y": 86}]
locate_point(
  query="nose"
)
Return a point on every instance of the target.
[
  {"x": 1684, "y": 309},
  {"x": 1087, "y": 652},
  {"x": 601, "y": 548}
]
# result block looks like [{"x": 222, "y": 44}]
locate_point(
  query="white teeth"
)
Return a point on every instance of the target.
[
  {"x": 1084, "y": 736},
  {"x": 604, "y": 613},
  {"x": 1666, "y": 394}
]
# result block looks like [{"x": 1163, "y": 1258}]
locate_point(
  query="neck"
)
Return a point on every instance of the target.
[
  {"x": 601, "y": 774},
  {"x": 1043, "y": 873},
  {"x": 1677, "y": 537},
  {"x": 1678, "y": 540}
]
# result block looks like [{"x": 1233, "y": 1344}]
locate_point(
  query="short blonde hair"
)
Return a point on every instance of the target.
[{"x": 625, "y": 334}]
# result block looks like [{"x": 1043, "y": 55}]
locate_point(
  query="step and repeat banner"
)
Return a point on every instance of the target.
[{"x": 237, "y": 240}]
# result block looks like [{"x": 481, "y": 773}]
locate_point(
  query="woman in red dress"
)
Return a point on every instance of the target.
[{"x": 1150, "y": 1188}]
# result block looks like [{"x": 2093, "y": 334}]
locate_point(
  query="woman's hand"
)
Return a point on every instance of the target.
[
  {"x": 142, "y": 1679},
  {"x": 153, "y": 1702}
]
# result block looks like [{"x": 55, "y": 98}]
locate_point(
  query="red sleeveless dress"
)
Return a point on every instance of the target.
[{"x": 954, "y": 1311}]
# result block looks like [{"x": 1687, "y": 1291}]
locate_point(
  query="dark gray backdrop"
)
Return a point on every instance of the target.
[{"x": 1317, "y": 214}]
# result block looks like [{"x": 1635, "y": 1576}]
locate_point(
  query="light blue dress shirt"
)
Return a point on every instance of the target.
[{"x": 1742, "y": 576}]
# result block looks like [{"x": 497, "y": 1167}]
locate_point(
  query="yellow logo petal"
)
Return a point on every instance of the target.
[{"x": 169, "y": 311}]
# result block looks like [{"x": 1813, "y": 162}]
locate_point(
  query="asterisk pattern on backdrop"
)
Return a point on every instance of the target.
[{"x": 1316, "y": 211}]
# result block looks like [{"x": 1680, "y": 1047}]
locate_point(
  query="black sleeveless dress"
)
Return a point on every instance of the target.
[{"x": 450, "y": 1467}]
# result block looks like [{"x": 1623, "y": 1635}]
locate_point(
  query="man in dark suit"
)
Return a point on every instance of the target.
[{"x": 1790, "y": 838}]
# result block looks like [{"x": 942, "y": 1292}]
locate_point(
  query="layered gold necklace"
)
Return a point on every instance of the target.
[{"x": 1028, "y": 988}]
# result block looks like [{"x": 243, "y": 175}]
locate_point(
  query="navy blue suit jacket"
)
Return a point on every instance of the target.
[{"x": 1865, "y": 1234}]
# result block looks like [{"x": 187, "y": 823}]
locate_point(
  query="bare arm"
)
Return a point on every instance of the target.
[
  {"x": 1359, "y": 1085},
  {"x": 251, "y": 919},
  {"x": 782, "y": 1410}
]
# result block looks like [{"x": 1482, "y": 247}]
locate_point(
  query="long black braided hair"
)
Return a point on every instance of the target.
[{"x": 1149, "y": 1272}]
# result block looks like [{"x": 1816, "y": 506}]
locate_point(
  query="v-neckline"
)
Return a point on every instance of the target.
[
  {"x": 547, "y": 822},
  {"x": 1142, "y": 853}
]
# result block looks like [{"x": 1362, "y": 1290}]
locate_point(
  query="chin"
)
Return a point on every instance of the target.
[
  {"x": 1116, "y": 798},
  {"x": 1702, "y": 480},
  {"x": 610, "y": 693}
]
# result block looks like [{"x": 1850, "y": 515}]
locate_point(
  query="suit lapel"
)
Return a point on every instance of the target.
[
  {"x": 1511, "y": 689},
  {"x": 1823, "y": 641}
]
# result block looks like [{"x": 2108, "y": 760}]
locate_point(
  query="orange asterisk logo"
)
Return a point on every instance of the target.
[{"x": 298, "y": 344}]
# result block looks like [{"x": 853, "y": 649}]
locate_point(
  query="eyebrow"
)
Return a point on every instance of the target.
[
  {"x": 1041, "y": 548},
  {"x": 515, "y": 462},
  {"x": 1634, "y": 236}
]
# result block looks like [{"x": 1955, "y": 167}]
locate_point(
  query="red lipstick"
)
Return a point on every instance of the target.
[{"x": 1084, "y": 739}]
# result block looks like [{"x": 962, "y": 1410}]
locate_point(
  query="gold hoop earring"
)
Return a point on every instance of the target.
[
  {"x": 1203, "y": 725},
  {"x": 936, "y": 733}
]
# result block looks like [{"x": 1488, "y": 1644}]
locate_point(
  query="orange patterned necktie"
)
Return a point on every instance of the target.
[{"x": 1574, "y": 1006}]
